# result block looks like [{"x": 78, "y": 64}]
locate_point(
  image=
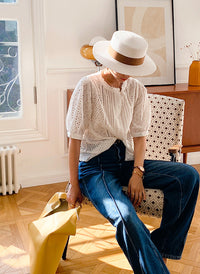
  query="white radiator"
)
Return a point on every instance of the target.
[{"x": 8, "y": 173}]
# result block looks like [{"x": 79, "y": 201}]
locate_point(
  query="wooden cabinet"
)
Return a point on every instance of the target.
[{"x": 191, "y": 128}]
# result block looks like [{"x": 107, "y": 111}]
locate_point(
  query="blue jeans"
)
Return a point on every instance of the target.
[{"x": 101, "y": 180}]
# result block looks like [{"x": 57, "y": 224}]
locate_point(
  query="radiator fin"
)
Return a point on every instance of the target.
[{"x": 8, "y": 173}]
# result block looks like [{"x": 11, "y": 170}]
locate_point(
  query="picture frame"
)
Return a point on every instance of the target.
[{"x": 154, "y": 20}]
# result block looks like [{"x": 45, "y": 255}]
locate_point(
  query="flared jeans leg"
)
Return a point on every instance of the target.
[
  {"x": 180, "y": 184},
  {"x": 105, "y": 191}
]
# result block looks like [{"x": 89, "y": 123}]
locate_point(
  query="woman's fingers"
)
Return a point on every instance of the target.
[
  {"x": 74, "y": 205},
  {"x": 136, "y": 191},
  {"x": 70, "y": 206},
  {"x": 137, "y": 197},
  {"x": 144, "y": 195},
  {"x": 74, "y": 196},
  {"x": 140, "y": 198}
]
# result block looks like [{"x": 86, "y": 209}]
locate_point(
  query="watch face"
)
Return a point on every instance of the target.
[{"x": 140, "y": 168}]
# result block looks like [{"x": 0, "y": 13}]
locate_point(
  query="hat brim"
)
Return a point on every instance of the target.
[{"x": 100, "y": 52}]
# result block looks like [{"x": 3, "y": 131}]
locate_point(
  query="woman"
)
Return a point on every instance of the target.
[{"x": 107, "y": 123}]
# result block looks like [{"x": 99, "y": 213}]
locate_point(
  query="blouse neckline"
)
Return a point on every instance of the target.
[{"x": 110, "y": 87}]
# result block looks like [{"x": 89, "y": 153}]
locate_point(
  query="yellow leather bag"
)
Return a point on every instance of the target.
[{"x": 49, "y": 234}]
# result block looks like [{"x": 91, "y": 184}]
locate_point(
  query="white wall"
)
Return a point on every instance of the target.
[
  {"x": 187, "y": 24},
  {"x": 69, "y": 25}
]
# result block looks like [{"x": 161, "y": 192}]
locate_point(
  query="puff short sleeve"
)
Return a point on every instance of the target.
[
  {"x": 141, "y": 118},
  {"x": 79, "y": 112}
]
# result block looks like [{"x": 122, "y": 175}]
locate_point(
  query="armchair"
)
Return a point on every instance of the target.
[{"x": 164, "y": 142}]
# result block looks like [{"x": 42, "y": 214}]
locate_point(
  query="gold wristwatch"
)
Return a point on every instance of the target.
[{"x": 139, "y": 170}]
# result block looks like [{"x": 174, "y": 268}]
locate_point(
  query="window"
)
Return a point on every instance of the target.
[
  {"x": 10, "y": 95},
  {"x": 19, "y": 120},
  {"x": 7, "y": 1}
]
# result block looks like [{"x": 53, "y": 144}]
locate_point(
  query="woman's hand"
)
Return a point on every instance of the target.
[
  {"x": 136, "y": 190},
  {"x": 74, "y": 196}
]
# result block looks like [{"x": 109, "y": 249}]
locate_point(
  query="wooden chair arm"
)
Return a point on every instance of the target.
[{"x": 174, "y": 151}]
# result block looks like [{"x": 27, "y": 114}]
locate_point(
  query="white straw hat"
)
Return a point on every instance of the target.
[{"x": 125, "y": 53}]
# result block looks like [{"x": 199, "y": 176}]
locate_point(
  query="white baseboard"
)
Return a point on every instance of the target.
[{"x": 193, "y": 158}]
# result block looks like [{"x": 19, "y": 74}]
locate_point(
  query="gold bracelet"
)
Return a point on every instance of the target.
[
  {"x": 138, "y": 172},
  {"x": 141, "y": 168}
]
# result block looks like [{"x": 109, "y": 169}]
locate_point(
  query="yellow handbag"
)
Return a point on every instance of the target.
[{"x": 49, "y": 234}]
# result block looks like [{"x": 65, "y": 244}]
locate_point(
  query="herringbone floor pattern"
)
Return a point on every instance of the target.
[{"x": 93, "y": 250}]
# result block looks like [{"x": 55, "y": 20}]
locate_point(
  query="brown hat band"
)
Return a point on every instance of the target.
[{"x": 124, "y": 59}]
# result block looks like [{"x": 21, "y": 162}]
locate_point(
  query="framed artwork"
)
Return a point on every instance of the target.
[{"x": 154, "y": 20}]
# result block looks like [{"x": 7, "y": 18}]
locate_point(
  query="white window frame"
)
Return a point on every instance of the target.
[{"x": 40, "y": 132}]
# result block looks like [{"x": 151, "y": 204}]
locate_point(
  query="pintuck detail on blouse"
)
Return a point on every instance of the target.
[{"x": 99, "y": 114}]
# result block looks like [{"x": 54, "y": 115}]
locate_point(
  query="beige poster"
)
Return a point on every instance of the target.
[
  {"x": 150, "y": 23},
  {"x": 152, "y": 20}
]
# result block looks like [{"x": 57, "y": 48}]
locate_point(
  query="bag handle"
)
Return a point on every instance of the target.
[{"x": 53, "y": 203}]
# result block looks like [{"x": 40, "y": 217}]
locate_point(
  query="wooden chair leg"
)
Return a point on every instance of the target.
[
  {"x": 185, "y": 158},
  {"x": 64, "y": 255}
]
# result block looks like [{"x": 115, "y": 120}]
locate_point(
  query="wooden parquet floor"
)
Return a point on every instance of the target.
[{"x": 93, "y": 250}]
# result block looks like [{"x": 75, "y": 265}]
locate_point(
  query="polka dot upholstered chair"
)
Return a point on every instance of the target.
[{"x": 163, "y": 143}]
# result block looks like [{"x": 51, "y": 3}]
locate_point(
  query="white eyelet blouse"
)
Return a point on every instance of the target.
[{"x": 99, "y": 114}]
